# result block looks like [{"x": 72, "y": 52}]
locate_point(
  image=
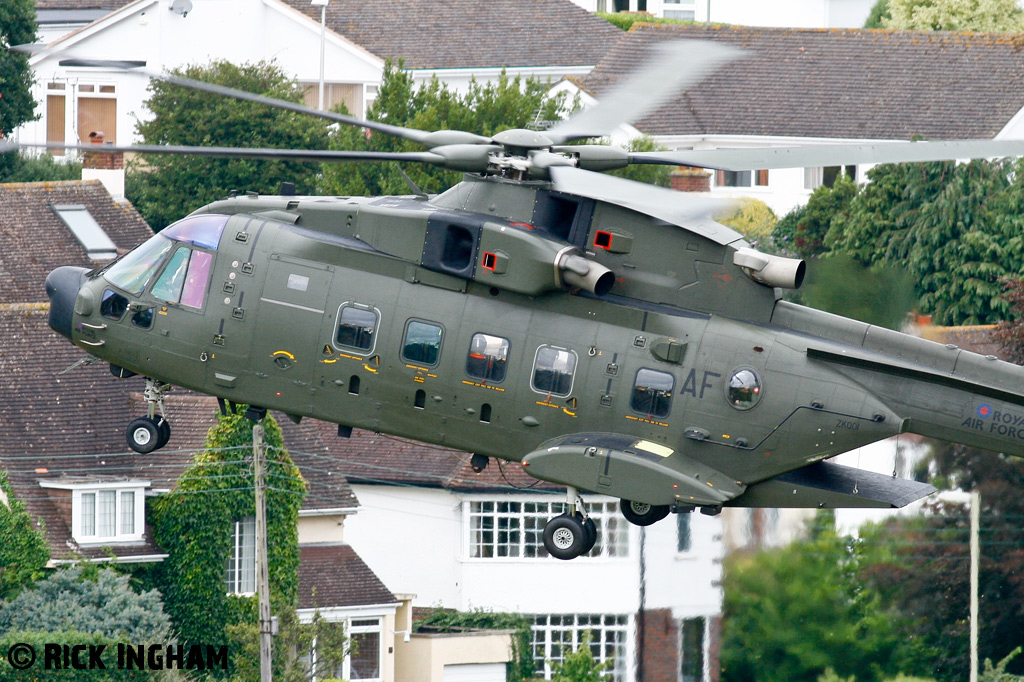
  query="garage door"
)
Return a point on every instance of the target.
[{"x": 475, "y": 672}]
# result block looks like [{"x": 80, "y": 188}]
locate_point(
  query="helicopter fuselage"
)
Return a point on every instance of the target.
[{"x": 447, "y": 321}]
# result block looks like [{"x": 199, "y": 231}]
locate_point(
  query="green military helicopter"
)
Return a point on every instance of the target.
[{"x": 608, "y": 335}]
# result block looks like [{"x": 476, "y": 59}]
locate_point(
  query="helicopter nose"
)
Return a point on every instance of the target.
[{"x": 62, "y": 287}]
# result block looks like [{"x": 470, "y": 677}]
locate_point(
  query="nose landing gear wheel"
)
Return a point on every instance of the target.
[
  {"x": 641, "y": 513},
  {"x": 565, "y": 536}
]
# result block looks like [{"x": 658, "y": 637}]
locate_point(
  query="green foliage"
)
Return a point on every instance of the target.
[
  {"x": 625, "y": 20},
  {"x": 581, "y": 665},
  {"x": 521, "y": 667},
  {"x": 652, "y": 174},
  {"x": 37, "y": 673},
  {"x": 802, "y": 231},
  {"x": 486, "y": 109},
  {"x": 878, "y": 14},
  {"x": 956, "y": 15},
  {"x": 41, "y": 168},
  {"x": 955, "y": 228},
  {"x": 793, "y": 612},
  {"x": 295, "y": 645},
  {"x": 752, "y": 218},
  {"x": 997, "y": 673},
  {"x": 106, "y": 605},
  {"x": 165, "y": 188},
  {"x": 194, "y": 525},
  {"x": 17, "y": 27},
  {"x": 23, "y": 552},
  {"x": 881, "y": 295},
  {"x": 1010, "y": 333}
]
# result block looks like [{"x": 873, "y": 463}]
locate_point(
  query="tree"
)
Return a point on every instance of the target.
[
  {"x": 802, "y": 231},
  {"x": 23, "y": 552},
  {"x": 166, "y": 187},
  {"x": 879, "y": 294},
  {"x": 653, "y": 174},
  {"x": 486, "y": 109},
  {"x": 956, "y": 15},
  {"x": 194, "y": 522},
  {"x": 581, "y": 665},
  {"x": 791, "y": 613},
  {"x": 879, "y": 13},
  {"x": 106, "y": 606},
  {"x": 752, "y": 218},
  {"x": 17, "y": 27}
]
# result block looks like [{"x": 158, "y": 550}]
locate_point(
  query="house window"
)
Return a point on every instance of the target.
[
  {"x": 514, "y": 529},
  {"x": 241, "y": 567},
  {"x": 556, "y": 635},
  {"x": 758, "y": 178},
  {"x": 109, "y": 515},
  {"x": 364, "y": 660},
  {"x": 97, "y": 112},
  {"x": 691, "y": 650},
  {"x": 815, "y": 177},
  {"x": 683, "y": 538}
]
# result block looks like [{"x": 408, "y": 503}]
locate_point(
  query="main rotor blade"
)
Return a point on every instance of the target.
[
  {"x": 670, "y": 69},
  {"x": 832, "y": 155},
  {"x": 317, "y": 155},
  {"x": 678, "y": 208}
]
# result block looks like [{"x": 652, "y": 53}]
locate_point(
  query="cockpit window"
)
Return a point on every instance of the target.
[
  {"x": 185, "y": 277},
  {"x": 133, "y": 272},
  {"x": 202, "y": 230}
]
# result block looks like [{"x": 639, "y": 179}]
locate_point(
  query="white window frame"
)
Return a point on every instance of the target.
[
  {"x": 611, "y": 634},
  {"x": 517, "y": 526},
  {"x": 234, "y": 571},
  {"x": 129, "y": 522},
  {"x": 379, "y": 613}
]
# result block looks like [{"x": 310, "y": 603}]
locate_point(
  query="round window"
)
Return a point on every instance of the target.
[{"x": 744, "y": 389}]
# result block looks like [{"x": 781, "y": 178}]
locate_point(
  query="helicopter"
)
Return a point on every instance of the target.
[{"x": 609, "y": 336}]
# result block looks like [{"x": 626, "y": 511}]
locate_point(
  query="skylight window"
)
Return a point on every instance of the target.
[{"x": 87, "y": 231}]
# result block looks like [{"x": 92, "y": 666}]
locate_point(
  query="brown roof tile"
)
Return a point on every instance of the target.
[
  {"x": 334, "y": 575},
  {"x": 430, "y": 34},
  {"x": 837, "y": 83}
]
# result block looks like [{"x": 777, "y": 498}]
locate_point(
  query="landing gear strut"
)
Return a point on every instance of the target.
[
  {"x": 149, "y": 433},
  {"x": 573, "y": 533}
]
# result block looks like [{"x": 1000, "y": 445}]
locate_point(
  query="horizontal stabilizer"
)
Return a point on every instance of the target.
[{"x": 825, "y": 485}]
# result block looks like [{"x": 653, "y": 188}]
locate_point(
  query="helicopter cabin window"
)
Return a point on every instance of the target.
[
  {"x": 652, "y": 393},
  {"x": 356, "y": 328},
  {"x": 185, "y": 278},
  {"x": 422, "y": 342},
  {"x": 488, "y": 358},
  {"x": 113, "y": 305},
  {"x": 553, "y": 371},
  {"x": 744, "y": 389}
]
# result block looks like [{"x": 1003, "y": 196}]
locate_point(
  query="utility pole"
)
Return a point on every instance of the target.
[
  {"x": 262, "y": 563},
  {"x": 975, "y": 558}
]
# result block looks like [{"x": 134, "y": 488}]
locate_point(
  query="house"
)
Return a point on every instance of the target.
[
  {"x": 543, "y": 38},
  {"x": 650, "y": 597},
  {"x": 804, "y": 86},
  {"x": 62, "y": 441},
  {"x": 802, "y": 13}
]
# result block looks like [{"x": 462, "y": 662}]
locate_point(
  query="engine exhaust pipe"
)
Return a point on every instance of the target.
[
  {"x": 579, "y": 272},
  {"x": 773, "y": 271}
]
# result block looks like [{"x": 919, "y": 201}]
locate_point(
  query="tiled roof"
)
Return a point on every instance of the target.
[
  {"x": 430, "y": 34},
  {"x": 837, "y": 83},
  {"x": 81, "y": 4},
  {"x": 36, "y": 241},
  {"x": 334, "y": 575}
]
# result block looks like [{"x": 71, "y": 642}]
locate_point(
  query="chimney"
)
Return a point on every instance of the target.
[
  {"x": 107, "y": 167},
  {"x": 689, "y": 179}
]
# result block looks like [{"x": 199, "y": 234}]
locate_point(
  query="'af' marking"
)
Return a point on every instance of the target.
[{"x": 690, "y": 385}]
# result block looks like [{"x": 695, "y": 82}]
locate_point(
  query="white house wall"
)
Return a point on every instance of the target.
[{"x": 234, "y": 30}]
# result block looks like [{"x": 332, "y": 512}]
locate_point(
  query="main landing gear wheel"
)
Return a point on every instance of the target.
[
  {"x": 565, "y": 536},
  {"x": 591, "y": 529},
  {"x": 641, "y": 513},
  {"x": 144, "y": 435}
]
